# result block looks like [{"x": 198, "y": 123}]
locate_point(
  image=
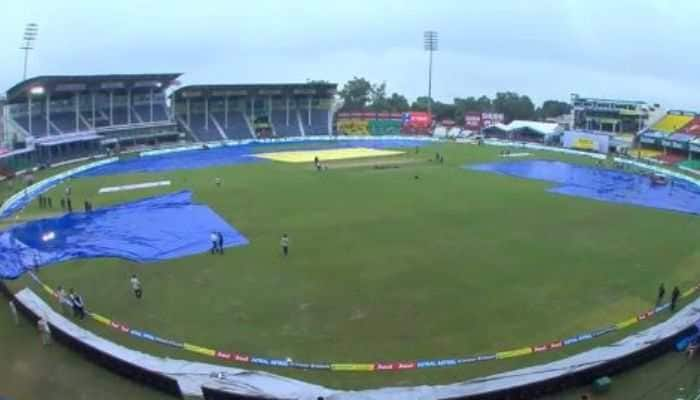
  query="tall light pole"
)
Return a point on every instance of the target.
[
  {"x": 31, "y": 30},
  {"x": 430, "y": 42}
]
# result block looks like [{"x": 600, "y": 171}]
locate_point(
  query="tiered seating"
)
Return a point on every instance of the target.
[
  {"x": 65, "y": 122},
  {"x": 200, "y": 130},
  {"x": 119, "y": 116},
  {"x": 671, "y": 123},
  {"x": 38, "y": 125},
  {"x": 279, "y": 121},
  {"x": 101, "y": 119},
  {"x": 671, "y": 158},
  {"x": 237, "y": 128},
  {"x": 319, "y": 122},
  {"x": 144, "y": 110},
  {"x": 692, "y": 127}
]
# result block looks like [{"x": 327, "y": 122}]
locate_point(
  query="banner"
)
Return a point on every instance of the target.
[
  {"x": 587, "y": 141},
  {"x": 585, "y": 144},
  {"x": 355, "y": 126},
  {"x": 491, "y": 119},
  {"x": 376, "y": 366},
  {"x": 472, "y": 121}
]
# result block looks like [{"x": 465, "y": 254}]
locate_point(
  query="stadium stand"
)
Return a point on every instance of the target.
[
  {"x": 204, "y": 127},
  {"x": 611, "y": 116},
  {"x": 286, "y": 125},
  {"x": 691, "y": 164},
  {"x": 368, "y": 123},
  {"x": 671, "y": 158},
  {"x": 672, "y": 122},
  {"x": 316, "y": 122},
  {"x": 645, "y": 153},
  {"x": 385, "y": 127},
  {"x": 353, "y": 126},
  {"x": 247, "y": 111},
  {"x": 65, "y": 117},
  {"x": 692, "y": 127}
]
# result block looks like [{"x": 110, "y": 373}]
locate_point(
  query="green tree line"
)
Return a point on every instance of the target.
[{"x": 359, "y": 94}]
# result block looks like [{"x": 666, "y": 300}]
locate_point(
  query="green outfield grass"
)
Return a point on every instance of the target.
[{"x": 386, "y": 266}]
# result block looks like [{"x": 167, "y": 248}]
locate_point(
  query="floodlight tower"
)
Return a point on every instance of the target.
[
  {"x": 31, "y": 30},
  {"x": 430, "y": 42}
]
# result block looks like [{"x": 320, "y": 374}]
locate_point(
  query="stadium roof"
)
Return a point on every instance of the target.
[
  {"x": 63, "y": 84},
  {"x": 543, "y": 128},
  {"x": 265, "y": 89},
  {"x": 601, "y": 100}
]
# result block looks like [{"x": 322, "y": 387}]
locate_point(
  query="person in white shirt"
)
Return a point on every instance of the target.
[
  {"x": 13, "y": 312},
  {"x": 44, "y": 331},
  {"x": 284, "y": 242},
  {"x": 63, "y": 300},
  {"x": 218, "y": 182},
  {"x": 136, "y": 286}
]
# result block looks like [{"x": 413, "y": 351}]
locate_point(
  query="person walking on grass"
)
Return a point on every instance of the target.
[
  {"x": 78, "y": 304},
  {"x": 13, "y": 312},
  {"x": 63, "y": 300},
  {"x": 44, "y": 330},
  {"x": 284, "y": 242},
  {"x": 214, "y": 243},
  {"x": 136, "y": 286},
  {"x": 220, "y": 242},
  {"x": 660, "y": 297},
  {"x": 674, "y": 297}
]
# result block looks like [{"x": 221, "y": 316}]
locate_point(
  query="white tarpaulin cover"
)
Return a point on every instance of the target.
[{"x": 191, "y": 376}]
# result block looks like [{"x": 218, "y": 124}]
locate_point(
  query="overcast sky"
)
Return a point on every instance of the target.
[{"x": 646, "y": 50}]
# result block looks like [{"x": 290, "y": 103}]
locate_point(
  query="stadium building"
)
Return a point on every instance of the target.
[
  {"x": 235, "y": 112},
  {"x": 617, "y": 117},
  {"x": 61, "y": 117}
]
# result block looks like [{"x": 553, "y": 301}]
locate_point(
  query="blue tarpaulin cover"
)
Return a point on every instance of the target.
[
  {"x": 192, "y": 159},
  {"x": 229, "y": 155},
  {"x": 141, "y": 231},
  {"x": 602, "y": 184}
]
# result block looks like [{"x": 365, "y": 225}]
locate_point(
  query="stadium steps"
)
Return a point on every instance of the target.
[
  {"x": 301, "y": 125},
  {"x": 85, "y": 122},
  {"x": 249, "y": 125},
  {"x": 17, "y": 127},
  {"x": 188, "y": 129},
  {"x": 282, "y": 128},
  {"x": 136, "y": 114},
  {"x": 218, "y": 126}
]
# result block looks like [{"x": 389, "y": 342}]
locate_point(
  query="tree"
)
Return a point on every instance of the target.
[
  {"x": 421, "y": 104},
  {"x": 553, "y": 108},
  {"x": 397, "y": 103},
  {"x": 440, "y": 110},
  {"x": 356, "y": 94},
  {"x": 471, "y": 104},
  {"x": 378, "y": 97},
  {"x": 513, "y": 106}
]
